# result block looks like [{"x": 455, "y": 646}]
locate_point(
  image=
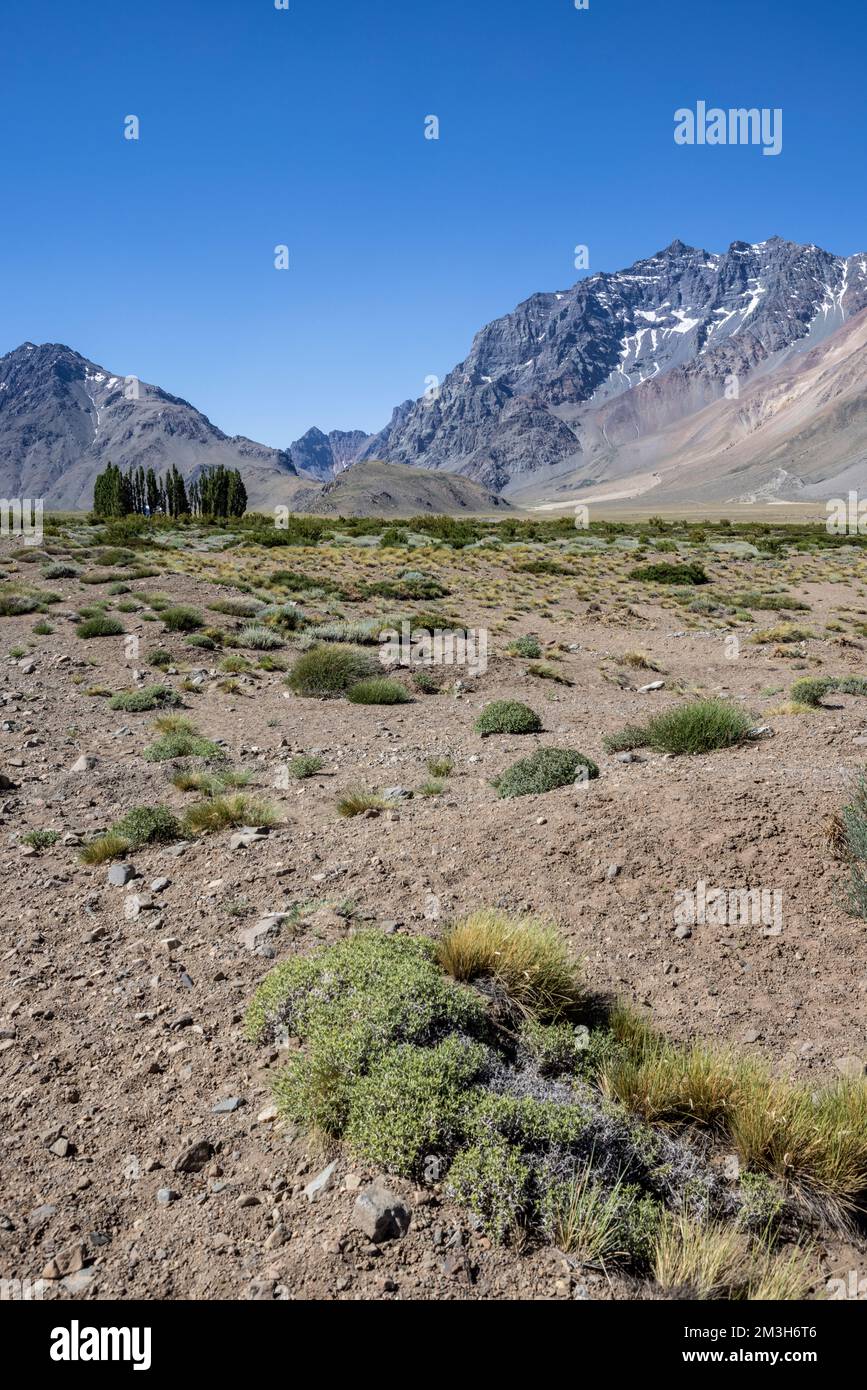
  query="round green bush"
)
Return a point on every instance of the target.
[
  {"x": 507, "y": 717},
  {"x": 543, "y": 771},
  {"x": 181, "y": 619},
  {"x": 327, "y": 671}
]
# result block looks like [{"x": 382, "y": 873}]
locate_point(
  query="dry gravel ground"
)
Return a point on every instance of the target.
[{"x": 120, "y": 1035}]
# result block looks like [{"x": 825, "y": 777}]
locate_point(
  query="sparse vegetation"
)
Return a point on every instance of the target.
[
  {"x": 507, "y": 717},
  {"x": 697, "y": 727},
  {"x": 544, "y": 771}
]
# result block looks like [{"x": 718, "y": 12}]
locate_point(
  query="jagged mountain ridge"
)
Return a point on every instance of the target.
[
  {"x": 544, "y": 389},
  {"x": 63, "y": 418}
]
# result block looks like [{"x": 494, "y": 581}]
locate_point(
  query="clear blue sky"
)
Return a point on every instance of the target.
[{"x": 262, "y": 126}]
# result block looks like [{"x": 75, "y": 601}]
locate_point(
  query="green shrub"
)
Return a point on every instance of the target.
[
  {"x": 146, "y": 825},
  {"x": 698, "y": 727},
  {"x": 16, "y": 605},
  {"x": 669, "y": 574},
  {"x": 41, "y": 839},
  {"x": 149, "y": 697},
  {"x": 811, "y": 690},
  {"x": 507, "y": 717},
  {"x": 527, "y": 646},
  {"x": 61, "y": 571},
  {"x": 259, "y": 638},
  {"x": 543, "y": 771},
  {"x": 180, "y": 618},
  {"x": 378, "y": 690},
  {"x": 305, "y": 765},
  {"x": 326, "y": 671},
  {"x": 102, "y": 626}
]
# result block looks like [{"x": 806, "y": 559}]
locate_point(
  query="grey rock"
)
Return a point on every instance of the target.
[
  {"x": 119, "y": 875},
  {"x": 83, "y": 764},
  {"x": 167, "y": 1195},
  {"x": 228, "y": 1106},
  {"x": 321, "y": 1183},
  {"x": 380, "y": 1214}
]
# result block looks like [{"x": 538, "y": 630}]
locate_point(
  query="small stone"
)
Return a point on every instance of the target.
[
  {"x": 654, "y": 685},
  {"x": 683, "y": 933},
  {"x": 119, "y": 875},
  {"x": 167, "y": 1195},
  {"x": 380, "y": 1214},
  {"x": 321, "y": 1183},
  {"x": 159, "y": 885},
  {"x": 228, "y": 1106},
  {"x": 69, "y": 1261},
  {"x": 278, "y": 1237},
  {"x": 194, "y": 1157},
  {"x": 61, "y": 1147},
  {"x": 83, "y": 764}
]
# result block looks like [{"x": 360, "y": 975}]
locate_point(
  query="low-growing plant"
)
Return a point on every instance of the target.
[
  {"x": 227, "y": 812},
  {"x": 507, "y": 717},
  {"x": 304, "y": 765},
  {"x": 378, "y": 690},
  {"x": 544, "y": 771},
  {"x": 181, "y": 618},
  {"x": 149, "y": 697},
  {"x": 697, "y": 727},
  {"x": 526, "y": 961},
  {"x": 102, "y": 626},
  {"x": 664, "y": 573},
  {"x": 40, "y": 839},
  {"x": 328, "y": 670}
]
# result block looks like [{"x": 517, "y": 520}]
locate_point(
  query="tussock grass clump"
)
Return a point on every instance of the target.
[
  {"x": 815, "y": 1141},
  {"x": 181, "y": 739},
  {"x": 180, "y": 618},
  {"x": 17, "y": 605},
  {"x": 543, "y": 771},
  {"x": 260, "y": 638},
  {"x": 543, "y": 671},
  {"x": 148, "y": 698},
  {"x": 104, "y": 848},
  {"x": 812, "y": 689},
  {"x": 211, "y": 783},
  {"x": 100, "y": 626},
  {"x": 526, "y": 960},
  {"x": 287, "y": 616},
  {"x": 356, "y": 801},
  {"x": 669, "y": 574},
  {"x": 714, "y": 1260},
  {"x": 237, "y": 607},
  {"x": 697, "y": 727},
  {"x": 440, "y": 765},
  {"x": 361, "y": 632},
  {"x": 228, "y": 812},
  {"x": 378, "y": 690},
  {"x": 327, "y": 671},
  {"x": 783, "y": 632},
  {"x": 507, "y": 717}
]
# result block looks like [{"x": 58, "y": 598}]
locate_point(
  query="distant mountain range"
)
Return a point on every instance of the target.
[{"x": 689, "y": 376}]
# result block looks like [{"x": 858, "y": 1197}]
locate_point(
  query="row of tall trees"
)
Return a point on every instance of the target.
[{"x": 217, "y": 492}]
